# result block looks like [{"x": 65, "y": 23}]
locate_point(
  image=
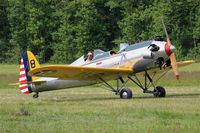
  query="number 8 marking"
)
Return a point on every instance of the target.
[{"x": 32, "y": 62}]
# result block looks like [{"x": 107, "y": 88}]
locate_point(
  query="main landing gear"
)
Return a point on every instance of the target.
[
  {"x": 123, "y": 92},
  {"x": 126, "y": 93},
  {"x": 158, "y": 91}
]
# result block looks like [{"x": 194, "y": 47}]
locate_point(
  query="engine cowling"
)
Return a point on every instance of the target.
[{"x": 147, "y": 55}]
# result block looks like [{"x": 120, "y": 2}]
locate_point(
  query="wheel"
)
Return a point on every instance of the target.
[
  {"x": 126, "y": 93},
  {"x": 36, "y": 95},
  {"x": 159, "y": 92}
]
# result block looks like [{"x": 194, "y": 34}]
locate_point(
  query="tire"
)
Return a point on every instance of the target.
[
  {"x": 159, "y": 92},
  {"x": 36, "y": 95},
  {"x": 126, "y": 93}
]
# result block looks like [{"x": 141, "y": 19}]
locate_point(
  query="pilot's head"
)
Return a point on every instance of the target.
[
  {"x": 90, "y": 56},
  {"x": 158, "y": 38}
]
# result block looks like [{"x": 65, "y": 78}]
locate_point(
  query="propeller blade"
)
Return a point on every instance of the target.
[
  {"x": 174, "y": 65},
  {"x": 170, "y": 53}
]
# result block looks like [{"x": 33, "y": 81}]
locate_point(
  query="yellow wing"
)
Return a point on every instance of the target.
[
  {"x": 79, "y": 72},
  {"x": 185, "y": 63},
  {"x": 164, "y": 68}
]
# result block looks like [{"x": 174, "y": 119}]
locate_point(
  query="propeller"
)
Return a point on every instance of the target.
[{"x": 168, "y": 50}]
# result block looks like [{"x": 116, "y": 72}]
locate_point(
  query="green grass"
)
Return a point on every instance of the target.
[
  {"x": 192, "y": 67},
  {"x": 92, "y": 109}
]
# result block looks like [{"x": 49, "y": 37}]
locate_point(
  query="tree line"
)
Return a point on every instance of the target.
[{"x": 59, "y": 31}]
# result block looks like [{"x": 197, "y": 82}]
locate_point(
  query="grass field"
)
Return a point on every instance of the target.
[{"x": 92, "y": 109}]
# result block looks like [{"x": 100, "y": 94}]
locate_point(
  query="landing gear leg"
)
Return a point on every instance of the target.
[
  {"x": 157, "y": 91},
  {"x": 123, "y": 92},
  {"x": 36, "y": 95}
]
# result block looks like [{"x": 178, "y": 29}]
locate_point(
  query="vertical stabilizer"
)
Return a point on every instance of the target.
[{"x": 28, "y": 62}]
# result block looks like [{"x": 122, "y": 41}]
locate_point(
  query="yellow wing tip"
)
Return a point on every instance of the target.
[
  {"x": 14, "y": 84},
  {"x": 187, "y": 62}
]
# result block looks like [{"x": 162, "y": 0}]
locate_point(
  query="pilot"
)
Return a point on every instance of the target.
[
  {"x": 158, "y": 38},
  {"x": 89, "y": 57}
]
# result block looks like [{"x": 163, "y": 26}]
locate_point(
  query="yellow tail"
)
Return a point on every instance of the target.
[{"x": 33, "y": 63}]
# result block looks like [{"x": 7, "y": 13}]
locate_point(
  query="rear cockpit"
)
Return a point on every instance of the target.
[{"x": 99, "y": 55}]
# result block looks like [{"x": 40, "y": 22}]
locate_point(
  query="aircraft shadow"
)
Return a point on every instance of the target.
[
  {"x": 63, "y": 99},
  {"x": 183, "y": 95},
  {"x": 83, "y": 99},
  {"x": 180, "y": 95}
]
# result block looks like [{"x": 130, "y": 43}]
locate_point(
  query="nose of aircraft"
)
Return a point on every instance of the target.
[
  {"x": 169, "y": 49},
  {"x": 172, "y": 48}
]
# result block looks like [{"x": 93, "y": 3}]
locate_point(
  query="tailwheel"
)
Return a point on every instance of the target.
[
  {"x": 159, "y": 92},
  {"x": 125, "y": 93},
  {"x": 36, "y": 95}
]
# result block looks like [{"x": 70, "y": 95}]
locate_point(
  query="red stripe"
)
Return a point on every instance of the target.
[
  {"x": 98, "y": 63},
  {"x": 23, "y": 81},
  {"x": 23, "y": 87},
  {"x": 22, "y": 69},
  {"x": 22, "y": 75},
  {"x": 26, "y": 92}
]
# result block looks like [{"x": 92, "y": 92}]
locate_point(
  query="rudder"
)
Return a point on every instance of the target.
[{"x": 28, "y": 62}]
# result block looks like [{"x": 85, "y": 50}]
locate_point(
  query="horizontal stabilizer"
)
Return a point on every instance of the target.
[
  {"x": 34, "y": 82},
  {"x": 29, "y": 82}
]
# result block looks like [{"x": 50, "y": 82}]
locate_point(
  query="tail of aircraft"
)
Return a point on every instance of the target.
[{"x": 28, "y": 62}]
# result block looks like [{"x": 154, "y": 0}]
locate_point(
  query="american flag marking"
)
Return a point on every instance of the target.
[{"x": 23, "y": 78}]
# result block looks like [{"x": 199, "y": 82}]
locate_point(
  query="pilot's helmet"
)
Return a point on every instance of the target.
[{"x": 90, "y": 54}]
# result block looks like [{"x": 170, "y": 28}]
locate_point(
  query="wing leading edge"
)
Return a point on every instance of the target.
[{"x": 83, "y": 73}]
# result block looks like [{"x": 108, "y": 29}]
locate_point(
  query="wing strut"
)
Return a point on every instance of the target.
[
  {"x": 118, "y": 88},
  {"x": 157, "y": 91},
  {"x": 124, "y": 92}
]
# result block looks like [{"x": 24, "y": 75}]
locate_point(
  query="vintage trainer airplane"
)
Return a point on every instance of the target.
[{"x": 147, "y": 58}]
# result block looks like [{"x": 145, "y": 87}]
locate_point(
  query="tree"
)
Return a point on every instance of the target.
[
  {"x": 40, "y": 25},
  {"x": 4, "y": 31},
  {"x": 61, "y": 31},
  {"x": 18, "y": 27},
  {"x": 85, "y": 26}
]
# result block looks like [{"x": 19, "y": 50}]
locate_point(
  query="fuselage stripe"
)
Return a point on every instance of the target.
[
  {"x": 24, "y": 87},
  {"x": 21, "y": 79},
  {"x": 21, "y": 66},
  {"x": 22, "y": 75},
  {"x": 22, "y": 69},
  {"x": 25, "y": 91},
  {"x": 22, "y": 72}
]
